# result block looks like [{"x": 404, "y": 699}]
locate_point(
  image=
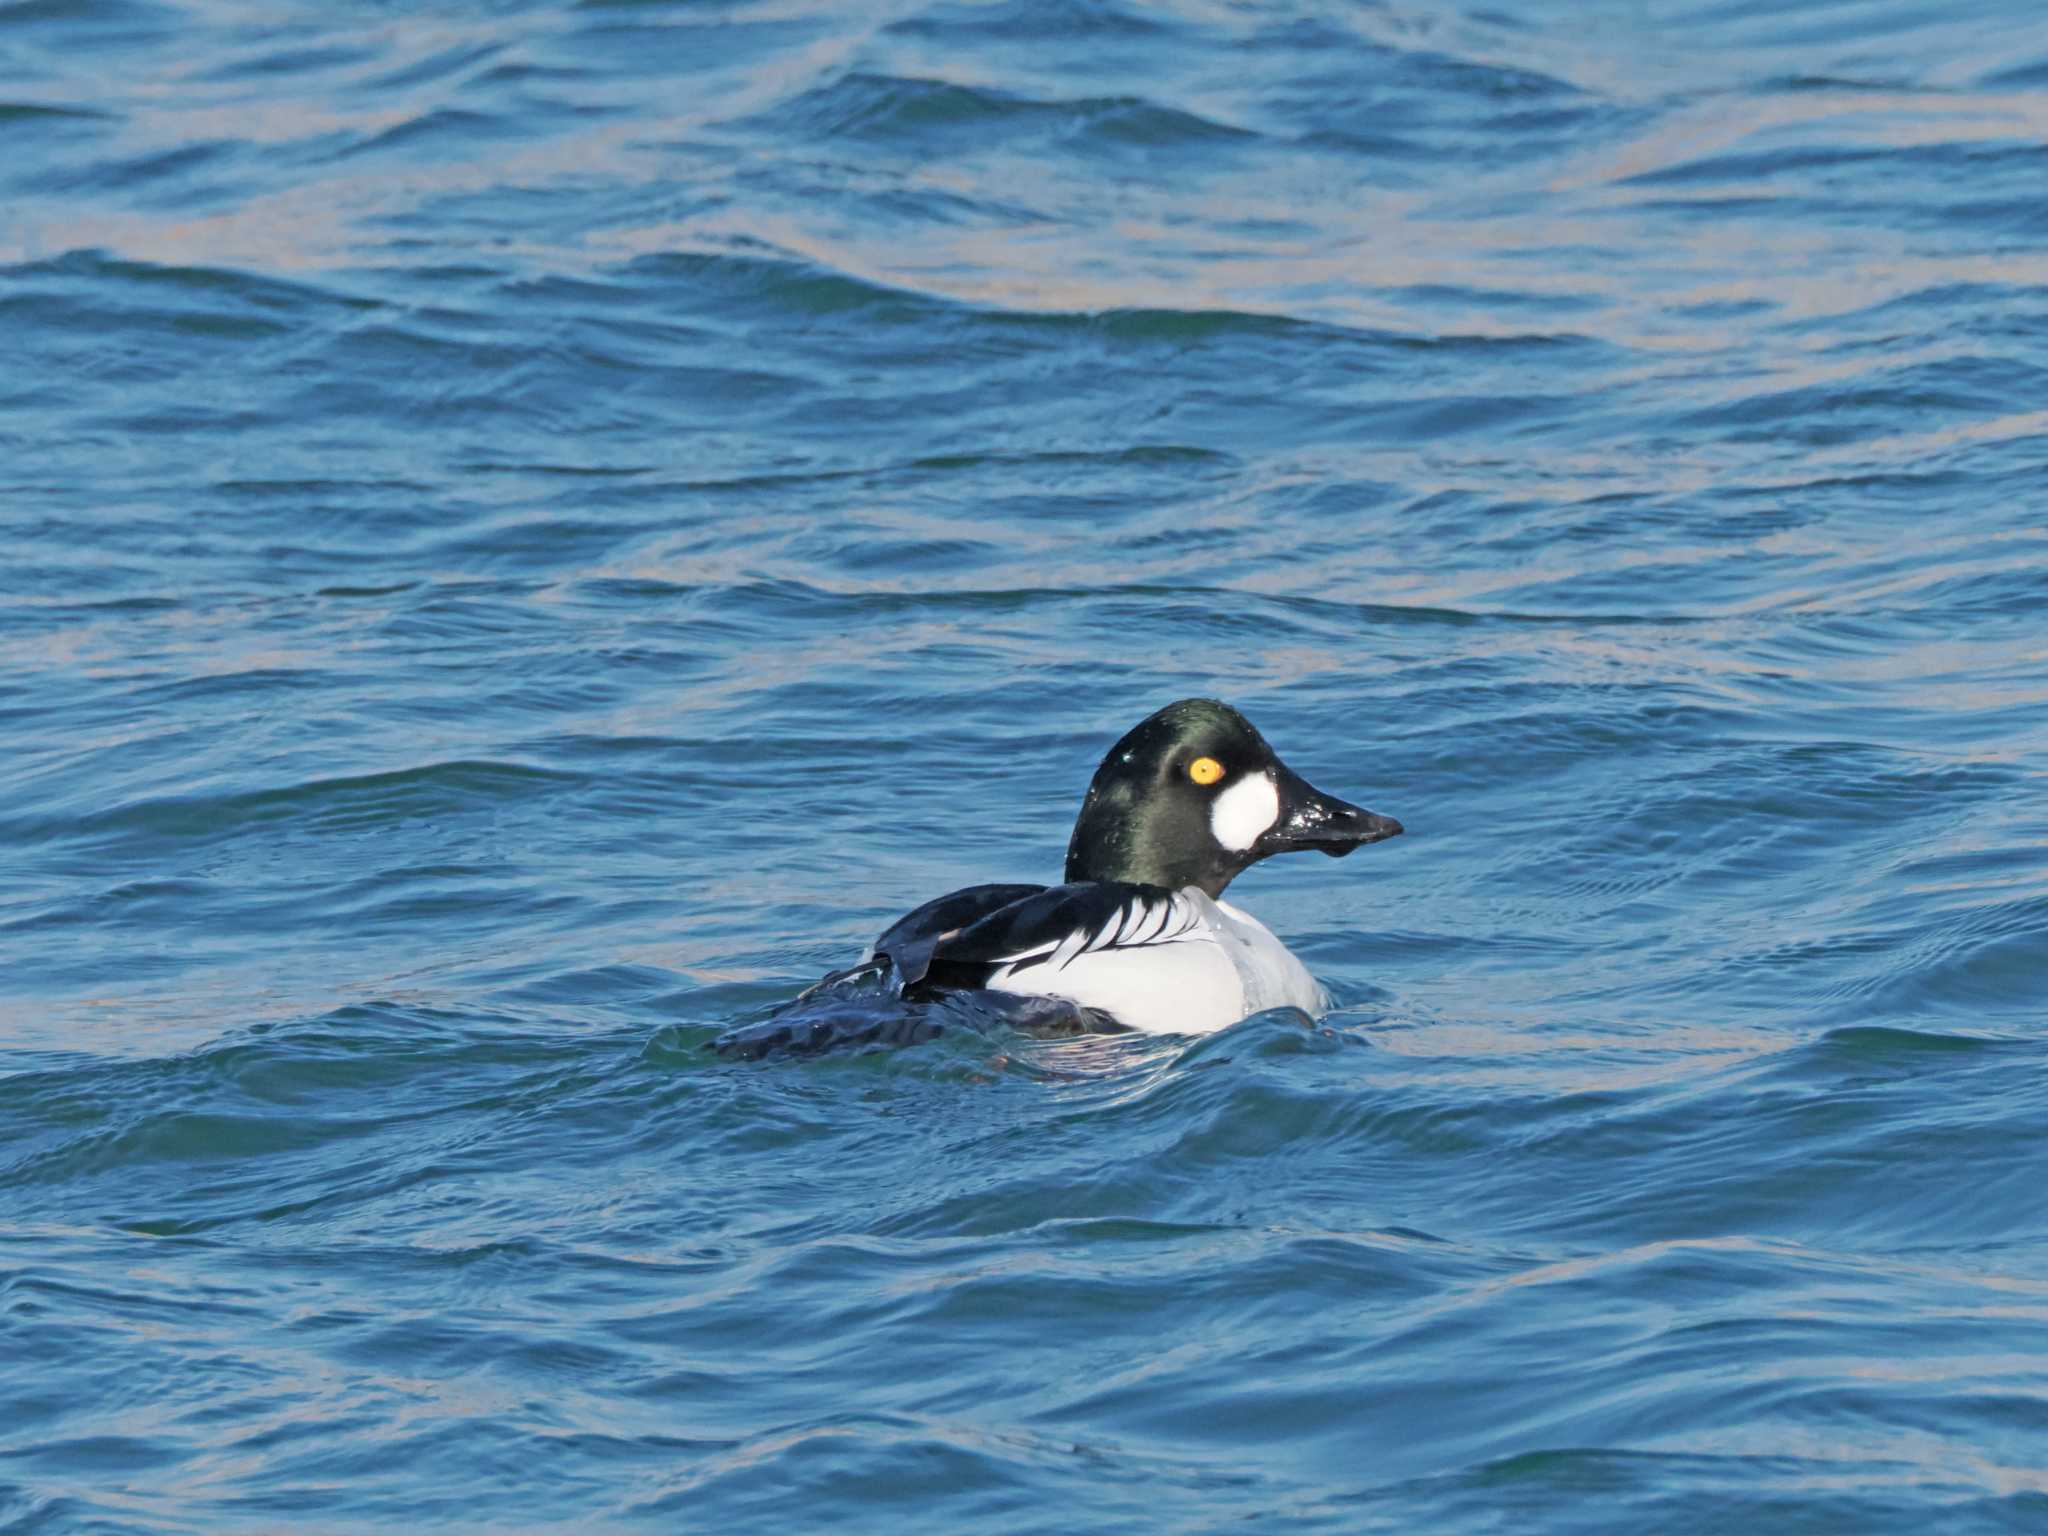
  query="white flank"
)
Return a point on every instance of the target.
[
  {"x": 1195, "y": 967},
  {"x": 1244, "y": 811},
  {"x": 1170, "y": 988}
]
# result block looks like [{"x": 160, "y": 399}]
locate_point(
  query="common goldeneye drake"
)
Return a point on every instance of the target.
[{"x": 1139, "y": 935}]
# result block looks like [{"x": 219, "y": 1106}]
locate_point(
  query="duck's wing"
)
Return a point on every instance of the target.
[
  {"x": 1052, "y": 926},
  {"x": 909, "y": 943},
  {"x": 957, "y": 942}
]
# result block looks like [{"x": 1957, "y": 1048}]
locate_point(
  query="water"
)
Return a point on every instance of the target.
[{"x": 532, "y": 532}]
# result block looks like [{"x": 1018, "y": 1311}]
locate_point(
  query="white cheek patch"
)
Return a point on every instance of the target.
[{"x": 1244, "y": 811}]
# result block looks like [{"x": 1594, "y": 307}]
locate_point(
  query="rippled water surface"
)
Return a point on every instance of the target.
[{"x": 528, "y": 533}]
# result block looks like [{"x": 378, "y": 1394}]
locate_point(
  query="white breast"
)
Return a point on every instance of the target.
[
  {"x": 1272, "y": 977},
  {"x": 1202, "y": 966}
]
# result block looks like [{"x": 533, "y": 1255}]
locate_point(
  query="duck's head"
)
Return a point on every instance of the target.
[{"x": 1193, "y": 796}]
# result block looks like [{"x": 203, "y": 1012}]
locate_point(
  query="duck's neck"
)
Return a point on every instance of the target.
[{"x": 1117, "y": 839}]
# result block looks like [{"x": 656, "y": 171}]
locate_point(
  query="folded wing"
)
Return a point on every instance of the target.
[{"x": 1048, "y": 929}]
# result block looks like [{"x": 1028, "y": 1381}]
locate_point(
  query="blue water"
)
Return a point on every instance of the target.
[{"x": 528, "y": 533}]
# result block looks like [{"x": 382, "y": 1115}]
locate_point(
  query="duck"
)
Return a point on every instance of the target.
[{"x": 1138, "y": 937}]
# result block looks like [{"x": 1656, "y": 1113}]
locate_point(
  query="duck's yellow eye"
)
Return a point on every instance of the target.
[{"x": 1205, "y": 770}]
